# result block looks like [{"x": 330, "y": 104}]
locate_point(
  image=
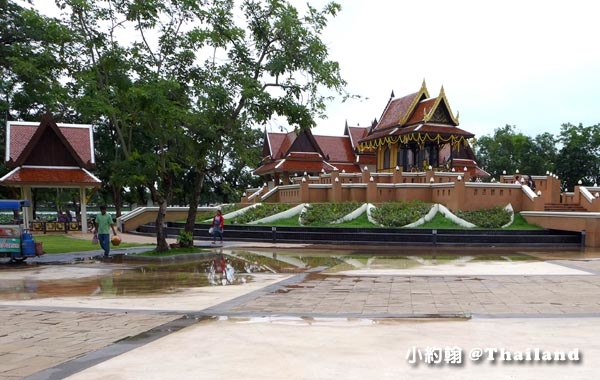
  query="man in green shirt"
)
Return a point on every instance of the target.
[{"x": 104, "y": 222}]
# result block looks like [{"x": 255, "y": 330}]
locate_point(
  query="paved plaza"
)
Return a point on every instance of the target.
[{"x": 319, "y": 324}]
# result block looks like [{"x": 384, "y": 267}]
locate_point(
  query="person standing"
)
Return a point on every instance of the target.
[
  {"x": 218, "y": 225},
  {"x": 104, "y": 222}
]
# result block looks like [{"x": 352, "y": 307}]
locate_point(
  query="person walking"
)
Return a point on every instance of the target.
[
  {"x": 104, "y": 222},
  {"x": 218, "y": 225}
]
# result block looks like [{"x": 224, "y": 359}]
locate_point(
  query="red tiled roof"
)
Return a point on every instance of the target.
[
  {"x": 422, "y": 109},
  {"x": 279, "y": 143},
  {"x": 356, "y": 134},
  {"x": 396, "y": 110},
  {"x": 17, "y": 137},
  {"x": 336, "y": 148},
  {"x": 55, "y": 177},
  {"x": 80, "y": 139},
  {"x": 266, "y": 168},
  {"x": 348, "y": 168},
  {"x": 20, "y": 133}
]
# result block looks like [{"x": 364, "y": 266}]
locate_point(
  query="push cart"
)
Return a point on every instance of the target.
[{"x": 16, "y": 242}]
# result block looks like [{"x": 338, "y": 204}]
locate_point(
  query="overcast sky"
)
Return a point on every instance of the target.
[
  {"x": 532, "y": 64},
  {"x": 528, "y": 63}
]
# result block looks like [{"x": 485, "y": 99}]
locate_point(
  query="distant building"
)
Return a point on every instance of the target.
[{"x": 414, "y": 132}]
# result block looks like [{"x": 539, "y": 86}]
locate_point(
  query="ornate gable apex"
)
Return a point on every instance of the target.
[
  {"x": 37, "y": 152},
  {"x": 305, "y": 142},
  {"x": 420, "y": 96},
  {"x": 440, "y": 111},
  {"x": 267, "y": 149}
]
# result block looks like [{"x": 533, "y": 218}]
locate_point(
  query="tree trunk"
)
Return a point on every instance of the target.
[
  {"x": 161, "y": 236},
  {"x": 190, "y": 222},
  {"x": 117, "y": 199},
  {"x": 194, "y": 201}
]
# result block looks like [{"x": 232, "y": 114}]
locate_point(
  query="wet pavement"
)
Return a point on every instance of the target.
[{"x": 299, "y": 313}]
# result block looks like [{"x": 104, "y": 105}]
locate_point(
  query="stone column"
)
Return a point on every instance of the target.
[
  {"x": 371, "y": 190},
  {"x": 336, "y": 187},
  {"x": 304, "y": 190}
]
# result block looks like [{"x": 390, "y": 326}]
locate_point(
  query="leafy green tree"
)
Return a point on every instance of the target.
[
  {"x": 510, "y": 151},
  {"x": 579, "y": 155},
  {"x": 132, "y": 75},
  {"x": 32, "y": 60},
  {"x": 33, "y": 49},
  {"x": 176, "y": 87},
  {"x": 272, "y": 63}
]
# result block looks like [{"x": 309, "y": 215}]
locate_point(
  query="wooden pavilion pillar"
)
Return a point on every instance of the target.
[
  {"x": 83, "y": 203},
  {"x": 26, "y": 194}
]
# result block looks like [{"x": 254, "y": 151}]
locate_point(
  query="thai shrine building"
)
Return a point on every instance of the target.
[
  {"x": 415, "y": 132},
  {"x": 415, "y": 151}
]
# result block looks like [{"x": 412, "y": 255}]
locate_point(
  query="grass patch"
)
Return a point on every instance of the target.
[
  {"x": 440, "y": 222},
  {"x": 519, "y": 223},
  {"x": 361, "y": 222},
  {"x": 64, "y": 244}
]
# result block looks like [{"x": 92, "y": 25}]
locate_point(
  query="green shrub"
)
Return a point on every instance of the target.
[
  {"x": 320, "y": 214},
  {"x": 399, "y": 214},
  {"x": 494, "y": 217},
  {"x": 185, "y": 239},
  {"x": 260, "y": 211}
]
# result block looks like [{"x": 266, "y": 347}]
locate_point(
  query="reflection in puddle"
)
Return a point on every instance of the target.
[
  {"x": 93, "y": 279},
  {"x": 115, "y": 278}
]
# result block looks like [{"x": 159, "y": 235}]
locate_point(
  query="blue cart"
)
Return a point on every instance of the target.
[{"x": 15, "y": 240}]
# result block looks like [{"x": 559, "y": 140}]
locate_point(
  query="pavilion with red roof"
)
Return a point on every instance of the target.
[
  {"x": 417, "y": 131},
  {"x": 287, "y": 154},
  {"x": 50, "y": 155},
  {"x": 414, "y": 132}
]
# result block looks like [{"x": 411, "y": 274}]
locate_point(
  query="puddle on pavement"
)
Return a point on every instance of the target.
[{"x": 31, "y": 280}]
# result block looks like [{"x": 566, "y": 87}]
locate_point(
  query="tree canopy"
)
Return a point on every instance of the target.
[
  {"x": 574, "y": 155},
  {"x": 175, "y": 88}
]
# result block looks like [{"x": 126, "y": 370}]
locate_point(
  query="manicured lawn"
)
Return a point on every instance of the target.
[
  {"x": 439, "y": 221},
  {"x": 65, "y": 244}
]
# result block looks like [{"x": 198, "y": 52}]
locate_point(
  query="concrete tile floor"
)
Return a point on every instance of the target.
[{"x": 316, "y": 327}]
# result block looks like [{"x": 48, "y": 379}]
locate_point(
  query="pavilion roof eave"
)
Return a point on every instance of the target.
[
  {"x": 53, "y": 177},
  {"x": 416, "y": 133}
]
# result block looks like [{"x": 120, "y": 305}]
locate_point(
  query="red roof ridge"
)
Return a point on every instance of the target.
[{"x": 18, "y": 158}]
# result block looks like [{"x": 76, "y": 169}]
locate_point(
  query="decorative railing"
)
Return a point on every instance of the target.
[{"x": 50, "y": 226}]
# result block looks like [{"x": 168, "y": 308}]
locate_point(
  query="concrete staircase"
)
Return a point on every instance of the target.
[{"x": 562, "y": 207}]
